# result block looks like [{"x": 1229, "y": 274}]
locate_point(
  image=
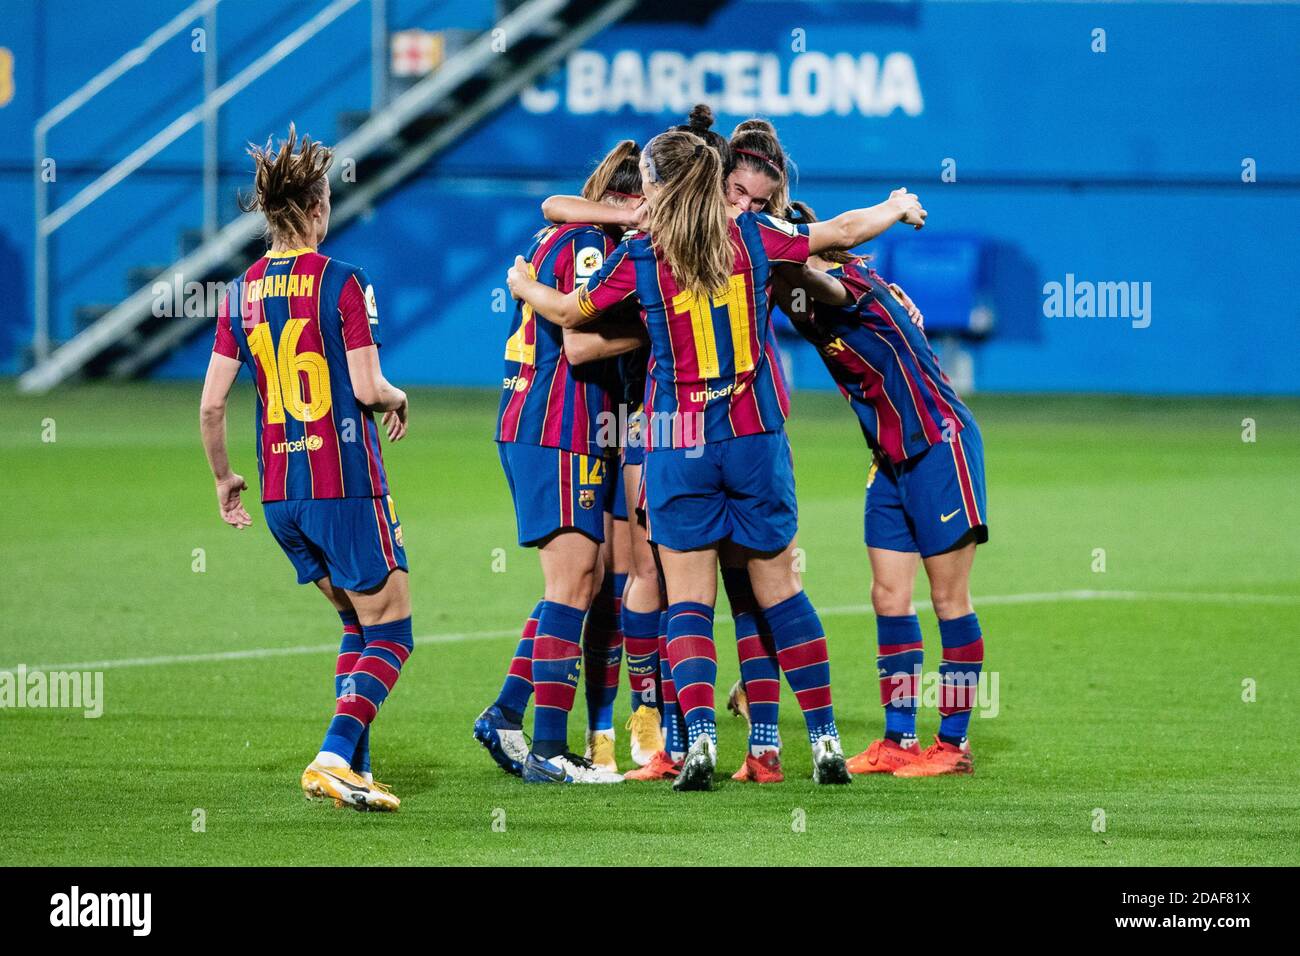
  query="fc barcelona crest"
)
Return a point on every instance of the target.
[{"x": 586, "y": 498}]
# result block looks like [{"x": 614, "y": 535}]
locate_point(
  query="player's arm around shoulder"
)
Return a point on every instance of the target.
[
  {"x": 566, "y": 209},
  {"x": 559, "y": 307},
  {"x": 614, "y": 282},
  {"x": 359, "y": 314},
  {"x": 614, "y": 337}
]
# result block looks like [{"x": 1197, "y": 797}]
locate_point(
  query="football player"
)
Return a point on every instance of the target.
[{"x": 307, "y": 328}]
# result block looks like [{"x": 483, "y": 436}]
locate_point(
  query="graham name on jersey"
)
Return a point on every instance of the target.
[{"x": 280, "y": 285}]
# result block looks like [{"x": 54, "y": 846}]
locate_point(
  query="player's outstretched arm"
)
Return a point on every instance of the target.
[
  {"x": 561, "y": 209},
  {"x": 222, "y": 372},
  {"x": 611, "y": 338},
  {"x": 857, "y": 226},
  {"x": 560, "y": 307},
  {"x": 375, "y": 392}
]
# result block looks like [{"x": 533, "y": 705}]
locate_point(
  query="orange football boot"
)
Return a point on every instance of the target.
[
  {"x": 939, "y": 758},
  {"x": 884, "y": 756},
  {"x": 660, "y": 767},
  {"x": 764, "y": 769}
]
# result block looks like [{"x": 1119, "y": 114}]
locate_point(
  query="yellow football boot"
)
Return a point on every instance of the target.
[
  {"x": 600, "y": 750},
  {"x": 346, "y": 788},
  {"x": 647, "y": 736}
]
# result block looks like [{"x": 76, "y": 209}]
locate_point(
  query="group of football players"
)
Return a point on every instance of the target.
[{"x": 641, "y": 431}]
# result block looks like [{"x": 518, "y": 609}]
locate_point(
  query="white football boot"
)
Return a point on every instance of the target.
[
  {"x": 565, "y": 768},
  {"x": 697, "y": 768},
  {"x": 828, "y": 761}
]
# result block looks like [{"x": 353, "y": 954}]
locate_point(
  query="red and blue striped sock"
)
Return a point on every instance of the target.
[
  {"x": 349, "y": 651},
  {"x": 518, "y": 686},
  {"x": 759, "y": 669},
  {"x": 801, "y": 650},
  {"x": 959, "y": 674},
  {"x": 898, "y": 664},
  {"x": 671, "y": 721},
  {"x": 641, "y": 644},
  {"x": 602, "y": 652},
  {"x": 694, "y": 660},
  {"x": 556, "y": 663},
  {"x": 388, "y": 647}
]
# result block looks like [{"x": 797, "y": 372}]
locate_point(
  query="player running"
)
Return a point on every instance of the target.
[
  {"x": 307, "y": 328},
  {"x": 718, "y": 462},
  {"x": 557, "y": 463},
  {"x": 925, "y": 499}
]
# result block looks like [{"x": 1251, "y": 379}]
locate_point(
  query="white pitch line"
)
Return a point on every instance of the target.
[
  {"x": 1041, "y": 597},
  {"x": 255, "y": 653}
]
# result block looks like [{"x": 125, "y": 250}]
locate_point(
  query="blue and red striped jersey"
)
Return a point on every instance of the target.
[
  {"x": 292, "y": 318},
  {"x": 884, "y": 366},
  {"x": 545, "y": 400},
  {"x": 713, "y": 371}
]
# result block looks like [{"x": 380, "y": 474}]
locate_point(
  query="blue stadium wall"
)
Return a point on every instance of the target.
[{"x": 1116, "y": 166}]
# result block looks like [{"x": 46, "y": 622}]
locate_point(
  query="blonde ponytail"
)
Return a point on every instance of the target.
[{"x": 689, "y": 220}]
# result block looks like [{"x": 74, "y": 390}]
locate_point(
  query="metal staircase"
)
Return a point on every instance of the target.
[{"x": 396, "y": 138}]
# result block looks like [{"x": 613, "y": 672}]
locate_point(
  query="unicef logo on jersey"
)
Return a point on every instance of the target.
[
  {"x": 310, "y": 443},
  {"x": 707, "y": 394}
]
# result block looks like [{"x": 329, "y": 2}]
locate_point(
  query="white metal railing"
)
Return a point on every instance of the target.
[
  {"x": 48, "y": 222},
  {"x": 97, "y": 84},
  {"x": 533, "y": 18}
]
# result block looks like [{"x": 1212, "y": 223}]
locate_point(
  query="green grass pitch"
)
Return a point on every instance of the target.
[{"x": 1130, "y": 703}]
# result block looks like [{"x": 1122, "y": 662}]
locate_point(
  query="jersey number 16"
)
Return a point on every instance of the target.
[{"x": 284, "y": 370}]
